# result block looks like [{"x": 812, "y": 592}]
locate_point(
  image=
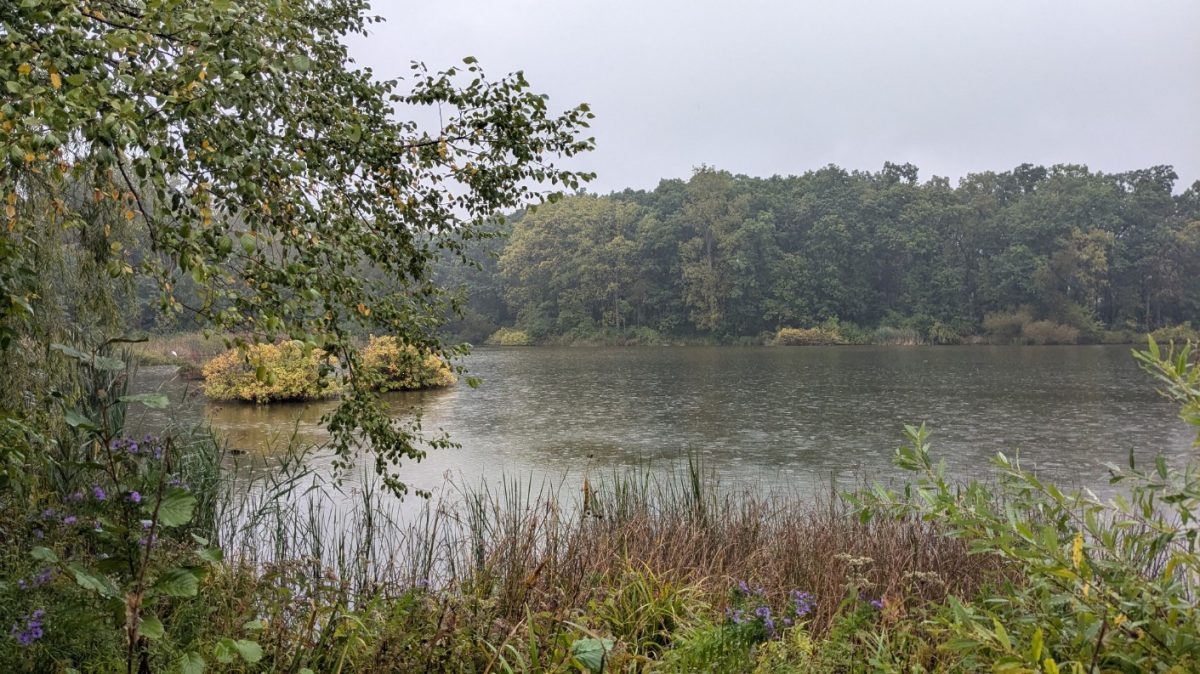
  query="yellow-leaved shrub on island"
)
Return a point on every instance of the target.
[
  {"x": 394, "y": 366},
  {"x": 266, "y": 373},
  {"x": 819, "y": 336},
  {"x": 510, "y": 337}
]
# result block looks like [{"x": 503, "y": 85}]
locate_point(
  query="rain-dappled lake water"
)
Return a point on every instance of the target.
[{"x": 781, "y": 416}]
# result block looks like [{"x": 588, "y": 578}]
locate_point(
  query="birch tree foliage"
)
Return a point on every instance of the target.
[{"x": 287, "y": 184}]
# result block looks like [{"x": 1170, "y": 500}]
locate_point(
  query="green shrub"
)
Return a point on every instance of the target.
[
  {"x": 510, "y": 337},
  {"x": 1095, "y": 585},
  {"x": 1120, "y": 337},
  {"x": 1049, "y": 332},
  {"x": 941, "y": 333},
  {"x": 644, "y": 610},
  {"x": 1006, "y": 327},
  {"x": 821, "y": 336},
  {"x": 264, "y": 373},
  {"x": 392, "y": 366},
  {"x": 1176, "y": 333}
]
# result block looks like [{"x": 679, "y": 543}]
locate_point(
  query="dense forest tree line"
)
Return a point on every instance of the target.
[{"x": 725, "y": 256}]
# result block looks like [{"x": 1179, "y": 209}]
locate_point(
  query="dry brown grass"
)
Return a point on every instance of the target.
[
  {"x": 776, "y": 543},
  {"x": 527, "y": 549}
]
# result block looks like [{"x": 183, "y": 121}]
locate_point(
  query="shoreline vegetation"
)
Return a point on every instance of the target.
[
  {"x": 289, "y": 371},
  {"x": 190, "y": 350},
  {"x": 167, "y": 554}
]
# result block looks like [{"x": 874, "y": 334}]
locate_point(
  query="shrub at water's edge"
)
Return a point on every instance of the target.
[
  {"x": 821, "y": 336},
  {"x": 392, "y": 366},
  {"x": 266, "y": 373},
  {"x": 289, "y": 371},
  {"x": 510, "y": 337}
]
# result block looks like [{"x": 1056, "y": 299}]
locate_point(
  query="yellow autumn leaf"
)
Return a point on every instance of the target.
[
  {"x": 55, "y": 79},
  {"x": 1077, "y": 550}
]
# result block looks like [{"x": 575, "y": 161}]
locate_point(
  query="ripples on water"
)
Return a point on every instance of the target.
[{"x": 781, "y": 416}]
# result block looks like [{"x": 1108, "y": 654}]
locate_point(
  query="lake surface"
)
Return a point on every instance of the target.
[{"x": 784, "y": 416}]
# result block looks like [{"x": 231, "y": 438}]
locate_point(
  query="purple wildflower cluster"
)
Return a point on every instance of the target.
[
  {"x": 803, "y": 603},
  {"x": 37, "y": 580},
  {"x": 150, "y": 446},
  {"x": 751, "y": 608},
  {"x": 33, "y": 628}
]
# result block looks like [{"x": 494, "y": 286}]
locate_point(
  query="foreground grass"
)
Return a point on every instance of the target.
[{"x": 648, "y": 570}]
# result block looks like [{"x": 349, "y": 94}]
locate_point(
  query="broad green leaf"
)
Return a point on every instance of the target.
[
  {"x": 150, "y": 627},
  {"x": 177, "y": 583},
  {"x": 591, "y": 652},
  {"x": 176, "y": 508},
  {"x": 157, "y": 401},
  {"x": 249, "y": 650},
  {"x": 190, "y": 663},
  {"x": 44, "y": 554},
  {"x": 93, "y": 581},
  {"x": 77, "y": 419},
  {"x": 224, "y": 651}
]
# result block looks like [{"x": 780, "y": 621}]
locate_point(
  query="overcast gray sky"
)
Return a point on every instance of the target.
[{"x": 763, "y": 88}]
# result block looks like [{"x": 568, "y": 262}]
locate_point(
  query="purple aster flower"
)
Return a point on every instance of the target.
[
  {"x": 33, "y": 629},
  {"x": 77, "y": 496},
  {"x": 49, "y": 513},
  {"x": 135, "y": 497},
  {"x": 877, "y": 604},
  {"x": 98, "y": 493},
  {"x": 70, "y": 519},
  {"x": 803, "y": 602},
  {"x": 744, "y": 587},
  {"x": 787, "y": 622}
]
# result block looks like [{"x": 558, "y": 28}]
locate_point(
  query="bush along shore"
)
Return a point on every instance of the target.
[
  {"x": 1001, "y": 328},
  {"x": 157, "y": 554},
  {"x": 293, "y": 371}
]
